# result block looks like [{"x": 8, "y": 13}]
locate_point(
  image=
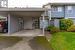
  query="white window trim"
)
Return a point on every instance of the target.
[
  {"x": 59, "y": 9},
  {"x": 69, "y": 7}
]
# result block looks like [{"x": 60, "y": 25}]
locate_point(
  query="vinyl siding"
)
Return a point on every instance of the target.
[
  {"x": 70, "y": 13},
  {"x": 55, "y": 13},
  {"x": 64, "y": 13}
]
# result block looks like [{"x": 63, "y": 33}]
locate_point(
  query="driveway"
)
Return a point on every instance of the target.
[
  {"x": 22, "y": 43},
  {"x": 25, "y": 33}
]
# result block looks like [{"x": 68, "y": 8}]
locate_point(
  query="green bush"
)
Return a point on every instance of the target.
[
  {"x": 49, "y": 28},
  {"x": 71, "y": 29},
  {"x": 65, "y": 24},
  {"x": 52, "y": 29}
]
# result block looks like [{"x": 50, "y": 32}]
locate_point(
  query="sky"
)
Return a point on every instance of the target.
[
  {"x": 27, "y": 3},
  {"x": 33, "y": 3}
]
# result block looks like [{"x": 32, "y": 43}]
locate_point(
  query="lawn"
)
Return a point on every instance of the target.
[
  {"x": 42, "y": 41},
  {"x": 63, "y": 41}
]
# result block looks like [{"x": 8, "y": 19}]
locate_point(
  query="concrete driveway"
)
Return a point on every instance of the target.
[
  {"x": 26, "y": 33},
  {"x": 22, "y": 43}
]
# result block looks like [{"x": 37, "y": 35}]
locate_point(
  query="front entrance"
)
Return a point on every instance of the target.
[
  {"x": 21, "y": 23},
  {"x": 35, "y": 24}
]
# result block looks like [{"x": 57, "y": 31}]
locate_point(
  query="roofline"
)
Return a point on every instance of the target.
[
  {"x": 22, "y": 9},
  {"x": 60, "y": 3}
]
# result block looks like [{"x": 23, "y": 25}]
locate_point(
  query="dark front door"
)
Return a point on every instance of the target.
[
  {"x": 35, "y": 24},
  {"x": 21, "y": 23}
]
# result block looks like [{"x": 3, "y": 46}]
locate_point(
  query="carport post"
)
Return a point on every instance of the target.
[
  {"x": 8, "y": 23},
  {"x": 43, "y": 25}
]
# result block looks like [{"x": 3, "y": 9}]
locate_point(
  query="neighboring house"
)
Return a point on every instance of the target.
[{"x": 58, "y": 11}]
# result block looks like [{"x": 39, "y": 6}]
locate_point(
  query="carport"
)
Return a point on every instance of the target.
[
  {"x": 25, "y": 20},
  {"x": 21, "y": 19}
]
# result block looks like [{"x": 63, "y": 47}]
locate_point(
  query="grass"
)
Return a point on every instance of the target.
[
  {"x": 63, "y": 41},
  {"x": 43, "y": 42},
  {"x": 12, "y": 39}
]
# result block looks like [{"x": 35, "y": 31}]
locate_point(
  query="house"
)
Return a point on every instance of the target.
[
  {"x": 33, "y": 21},
  {"x": 59, "y": 11},
  {"x": 24, "y": 21}
]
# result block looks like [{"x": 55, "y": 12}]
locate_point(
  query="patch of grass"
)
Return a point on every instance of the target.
[
  {"x": 12, "y": 39},
  {"x": 63, "y": 41},
  {"x": 43, "y": 42}
]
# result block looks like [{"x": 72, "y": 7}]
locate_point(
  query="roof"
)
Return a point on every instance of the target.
[
  {"x": 22, "y": 9},
  {"x": 59, "y": 3}
]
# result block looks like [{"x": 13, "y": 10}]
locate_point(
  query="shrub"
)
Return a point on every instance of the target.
[
  {"x": 65, "y": 24},
  {"x": 52, "y": 29},
  {"x": 49, "y": 28},
  {"x": 71, "y": 29}
]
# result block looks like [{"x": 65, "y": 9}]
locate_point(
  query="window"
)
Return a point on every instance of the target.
[
  {"x": 54, "y": 8},
  {"x": 69, "y": 7},
  {"x": 59, "y": 9}
]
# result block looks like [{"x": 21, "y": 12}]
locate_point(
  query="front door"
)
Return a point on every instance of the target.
[
  {"x": 35, "y": 24},
  {"x": 21, "y": 23}
]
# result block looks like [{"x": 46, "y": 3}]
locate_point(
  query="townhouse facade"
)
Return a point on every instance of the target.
[{"x": 60, "y": 11}]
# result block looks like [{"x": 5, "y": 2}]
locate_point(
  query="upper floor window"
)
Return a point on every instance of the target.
[
  {"x": 54, "y": 8},
  {"x": 69, "y": 7},
  {"x": 59, "y": 9}
]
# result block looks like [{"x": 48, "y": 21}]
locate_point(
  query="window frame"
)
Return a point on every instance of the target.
[
  {"x": 59, "y": 9},
  {"x": 54, "y": 8},
  {"x": 69, "y": 8}
]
